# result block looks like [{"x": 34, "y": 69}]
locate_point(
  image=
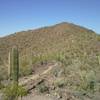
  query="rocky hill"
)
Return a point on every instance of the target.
[
  {"x": 76, "y": 50},
  {"x": 67, "y": 38},
  {"x": 50, "y": 39}
]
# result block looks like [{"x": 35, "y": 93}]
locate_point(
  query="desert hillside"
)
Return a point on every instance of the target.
[
  {"x": 75, "y": 49},
  {"x": 67, "y": 38},
  {"x": 58, "y": 38}
]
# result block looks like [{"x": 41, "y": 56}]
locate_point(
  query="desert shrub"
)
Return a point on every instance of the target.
[
  {"x": 42, "y": 88},
  {"x": 1, "y": 86},
  {"x": 42, "y": 59},
  {"x": 55, "y": 71},
  {"x": 35, "y": 59},
  {"x": 88, "y": 81},
  {"x": 21, "y": 91},
  {"x": 12, "y": 92},
  {"x": 58, "y": 71},
  {"x": 60, "y": 82},
  {"x": 24, "y": 71},
  {"x": 25, "y": 66}
]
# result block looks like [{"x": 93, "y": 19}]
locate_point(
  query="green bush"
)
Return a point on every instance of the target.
[
  {"x": 60, "y": 82},
  {"x": 1, "y": 86},
  {"x": 88, "y": 81},
  {"x": 12, "y": 92},
  {"x": 21, "y": 91},
  {"x": 24, "y": 71},
  {"x": 42, "y": 88},
  {"x": 25, "y": 66}
]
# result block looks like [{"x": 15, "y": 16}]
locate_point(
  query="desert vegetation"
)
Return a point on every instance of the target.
[
  {"x": 74, "y": 48},
  {"x": 12, "y": 91}
]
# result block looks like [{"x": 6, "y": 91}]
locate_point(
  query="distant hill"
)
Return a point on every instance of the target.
[
  {"x": 64, "y": 37},
  {"x": 75, "y": 50}
]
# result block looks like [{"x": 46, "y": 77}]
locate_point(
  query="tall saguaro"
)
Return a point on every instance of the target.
[{"x": 14, "y": 64}]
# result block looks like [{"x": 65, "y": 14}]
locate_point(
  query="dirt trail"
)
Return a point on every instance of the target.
[{"x": 34, "y": 79}]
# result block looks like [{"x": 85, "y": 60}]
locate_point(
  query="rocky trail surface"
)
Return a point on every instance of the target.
[{"x": 31, "y": 81}]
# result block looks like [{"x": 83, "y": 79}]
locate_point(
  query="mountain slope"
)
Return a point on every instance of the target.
[
  {"x": 75, "y": 49},
  {"x": 60, "y": 38},
  {"x": 48, "y": 37}
]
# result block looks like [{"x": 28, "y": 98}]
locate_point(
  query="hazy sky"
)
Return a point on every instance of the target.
[{"x": 18, "y": 15}]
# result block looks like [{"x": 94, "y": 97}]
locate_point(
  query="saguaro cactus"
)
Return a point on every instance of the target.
[
  {"x": 9, "y": 67},
  {"x": 14, "y": 64}
]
